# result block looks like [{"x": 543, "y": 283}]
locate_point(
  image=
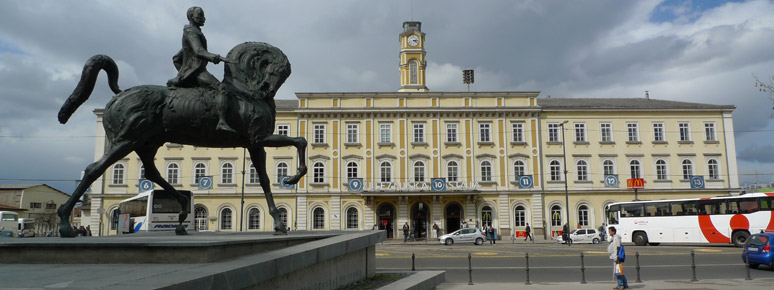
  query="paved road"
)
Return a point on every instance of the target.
[{"x": 549, "y": 262}]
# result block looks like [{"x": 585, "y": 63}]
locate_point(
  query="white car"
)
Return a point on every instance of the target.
[
  {"x": 589, "y": 236},
  {"x": 469, "y": 235}
]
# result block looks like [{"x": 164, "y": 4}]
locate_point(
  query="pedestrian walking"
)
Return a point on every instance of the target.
[
  {"x": 405, "y": 232},
  {"x": 566, "y": 234},
  {"x": 88, "y": 230},
  {"x": 618, "y": 255},
  {"x": 494, "y": 235},
  {"x": 436, "y": 231},
  {"x": 488, "y": 231},
  {"x": 602, "y": 232},
  {"x": 528, "y": 230}
]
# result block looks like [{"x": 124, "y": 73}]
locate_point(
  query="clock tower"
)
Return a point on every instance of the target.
[{"x": 412, "y": 58}]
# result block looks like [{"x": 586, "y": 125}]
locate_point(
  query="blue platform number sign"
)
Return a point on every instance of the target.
[
  {"x": 697, "y": 182},
  {"x": 525, "y": 181},
  {"x": 285, "y": 185},
  {"x": 145, "y": 185},
  {"x": 355, "y": 184},
  {"x": 611, "y": 180},
  {"x": 205, "y": 182},
  {"x": 437, "y": 184}
]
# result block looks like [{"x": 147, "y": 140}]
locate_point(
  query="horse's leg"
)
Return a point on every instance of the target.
[
  {"x": 152, "y": 173},
  {"x": 258, "y": 155},
  {"x": 299, "y": 143},
  {"x": 112, "y": 154}
]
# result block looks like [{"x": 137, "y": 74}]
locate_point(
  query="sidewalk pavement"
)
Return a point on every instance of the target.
[
  {"x": 507, "y": 240},
  {"x": 764, "y": 283}
]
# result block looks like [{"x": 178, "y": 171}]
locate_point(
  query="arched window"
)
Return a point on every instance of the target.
[
  {"x": 254, "y": 219},
  {"x": 352, "y": 170},
  {"x": 142, "y": 171},
  {"x": 283, "y": 214},
  {"x": 413, "y": 72},
  {"x": 520, "y": 216},
  {"x": 118, "y": 174},
  {"x": 114, "y": 219},
  {"x": 225, "y": 219},
  {"x": 556, "y": 216},
  {"x": 253, "y": 174},
  {"x": 661, "y": 169},
  {"x": 518, "y": 169},
  {"x": 452, "y": 171},
  {"x": 555, "y": 169},
  {"x": 385, "y": 172},
  {"x": 583, "y": 215},
  {"x": 486, "y": 216},
  {"x": 419, "y": 171},
  {"x": 486, "y": 171},
  {"x": 200, "y": 170},
  {"x": 318, "y": 172},
  {"x": 173, "y": 172},
  {"x": 608, "y": 167},
  {"x": 352, "y": 218},
  {"x": 200, "y": 217},
  {"x": 318, "y": 222},
  {"x": 634, "y": 169},
  {"x": 713, "y": 170},
  {"x": 282, "y": 171},
  {"x": 227, "y": 173},
  {"x": 687, "y": 169},
  {"x": 582, "y": 170}
]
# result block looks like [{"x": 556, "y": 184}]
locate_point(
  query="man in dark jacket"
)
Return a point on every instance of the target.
[
  {"x": 566, "y": 234},
  {"x": 528, "y": 230},
  {"x": 405, "y": 232}
]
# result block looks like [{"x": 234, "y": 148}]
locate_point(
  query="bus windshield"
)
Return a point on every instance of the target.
[
  {"x": 135, "y": 207},
  {"x": 164, "y": 202}
]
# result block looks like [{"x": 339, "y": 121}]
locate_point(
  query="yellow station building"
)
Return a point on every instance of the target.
[{"x": 481, "y": 144}]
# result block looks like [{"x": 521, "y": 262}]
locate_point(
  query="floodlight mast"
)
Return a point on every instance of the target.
[{"x": 467, "y": 77}]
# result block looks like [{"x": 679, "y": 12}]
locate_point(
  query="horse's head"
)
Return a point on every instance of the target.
[{"x": 260, "y": 69}]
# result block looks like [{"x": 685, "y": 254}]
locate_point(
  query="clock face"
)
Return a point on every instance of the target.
[{"x": 412, "y": 40}]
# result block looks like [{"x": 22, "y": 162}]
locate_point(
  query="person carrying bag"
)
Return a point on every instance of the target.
[{"x": 618, "y": 255}]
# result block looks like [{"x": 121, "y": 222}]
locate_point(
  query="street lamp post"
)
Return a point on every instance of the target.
[{"x": 566, "y": 192}]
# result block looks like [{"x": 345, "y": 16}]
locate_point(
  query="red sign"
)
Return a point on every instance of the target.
[{"x": 635, "y": 183}]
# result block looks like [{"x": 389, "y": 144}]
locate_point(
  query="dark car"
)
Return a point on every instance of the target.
[
  {"x": 758, "y": 246},
  {"x": 7, "y": 234}
]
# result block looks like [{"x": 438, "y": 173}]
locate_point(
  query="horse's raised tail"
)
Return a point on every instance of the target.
[{"x": 86, "y": 85}]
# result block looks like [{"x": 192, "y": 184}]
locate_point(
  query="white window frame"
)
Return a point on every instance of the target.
[
  {"x": 451, "y": 132},
  {"x": 387, "y": 173},
  {"x": 199, "y": 172},
  {"x": 553, "y": 132},
  {"x": 385, "y": 133},
  {"x": 353, "y": 133},
  {"x": 582, "y": 170},
  {"x": 635, "y": 169},
  {"x": 419, "y": 133},
  {"x": 517, "y": 131},
  {"x": 227, "y": 177},
  {"x": 318, "y": 133},
  {"x": 173, "y": 178},
  {"x": 710, "y": 133},
  {"x": 352, "y": 224},
  {"x": 318, "y": 223},
  {"x": 684, "y": 130},
  {"x": 632, "y": 132},
  {"x": 606, "y": 132},
  {"x": 485, "y": 132},
  {"x": 658, "y": 132},
  {"x": 553, "y": 173},
  {"x": 318, "y": 172},
  {"x": 580, "y": 132},
  {"x": 350, "y": 169},
  {"x": 119, "y": 174},
  {"x": 584, "y": 215},
  {"x": 278, "y": 174},
  {"x": 519, "y": 215},
  {"x": 662, "y": 173},
  {"x": 519, "y": 169},
  {"x": 486, "y": 176},
  {"x": 253, "y": 178},
  {"x": 224, "y": 222},
  {"x": 419, "y": 174},
  {"x": 452, "y": 177},
  {"x": 713, "y": 173},
  {"x": 686, "y": 169},
  {"x": 605, "y": 171},
  {"x": 283, "y": 129},
  {"x": 254, "y": 224}
]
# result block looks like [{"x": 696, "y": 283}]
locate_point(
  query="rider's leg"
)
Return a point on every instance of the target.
[{"x": 221, "y": 99}]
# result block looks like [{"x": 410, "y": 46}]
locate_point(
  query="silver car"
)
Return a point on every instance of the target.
[
  {"x": 583, "y": 236},
  {"x": 470, "y": 235}
]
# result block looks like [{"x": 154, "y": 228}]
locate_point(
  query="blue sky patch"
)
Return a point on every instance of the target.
[
  {"x": 684, "y": 10},
  {"x": 9, "y": 48}
]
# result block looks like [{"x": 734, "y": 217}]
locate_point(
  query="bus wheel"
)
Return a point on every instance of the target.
[
  {"x": 640, "y": 239},
  {"x": 739, "y": 238}
]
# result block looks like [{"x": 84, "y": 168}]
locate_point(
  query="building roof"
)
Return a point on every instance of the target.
[
  {"x": 26, "y": 186},
  {"x": 10, "y": 208},
  {"x": 624, "y": 103},
  {"x": 286, "y": 104}
]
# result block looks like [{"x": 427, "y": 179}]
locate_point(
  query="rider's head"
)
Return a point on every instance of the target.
[{"x": 196, "y": 15}]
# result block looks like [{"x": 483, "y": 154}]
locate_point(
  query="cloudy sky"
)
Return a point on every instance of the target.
[{"x": 682, "y": 50}]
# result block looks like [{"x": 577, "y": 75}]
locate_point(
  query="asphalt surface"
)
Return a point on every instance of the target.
[{"x": 551, "y": 262}]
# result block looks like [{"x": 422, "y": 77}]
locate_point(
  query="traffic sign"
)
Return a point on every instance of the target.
[
  {"x": 635, "y": 183},
  {"x": 145, "y": 185},
  {"x": 438, "y": 184},
  {"x": 355, "y": 184},
  {"x": 611, "y": 180},
  {"x": 697, "y": 182},
  {"x": 205, "y": 182},
  {"x": 285, "y": 185},
  {"x": 525, "y": 181}
]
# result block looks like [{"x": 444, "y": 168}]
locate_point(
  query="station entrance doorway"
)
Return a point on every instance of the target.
[
  {"x": 386, "y": 213},
  {"x": 453, "y": 217},
  {"x": 420, "y": 218}
]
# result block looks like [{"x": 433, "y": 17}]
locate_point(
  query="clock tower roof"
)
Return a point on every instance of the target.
[{"x": 411, "y": 27}]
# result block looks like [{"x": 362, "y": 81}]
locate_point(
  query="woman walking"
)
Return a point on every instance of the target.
[{"x": 614, "y": 249}]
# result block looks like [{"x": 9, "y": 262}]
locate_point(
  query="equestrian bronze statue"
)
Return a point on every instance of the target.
[{"x": 193, "y": 112}]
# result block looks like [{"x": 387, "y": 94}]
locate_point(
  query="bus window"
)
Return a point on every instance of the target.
[
  {"x": 612, "y": 214},
  {"x": 712, "y": 207},
  {"x": 743, "y": 205},
  {"x": 657, "y": 209},
  {"x": 631, "y": 210},
  {"x": 767, "y": 203},
  {"x": 134, "y": 208}
]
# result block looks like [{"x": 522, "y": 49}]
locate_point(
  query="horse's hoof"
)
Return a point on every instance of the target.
[
  {"x": 180, "y": 231},
  {"x": 293, "y": 180}
]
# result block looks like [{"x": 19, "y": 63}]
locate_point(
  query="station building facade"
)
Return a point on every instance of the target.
[{"x": 479, "y": 143}]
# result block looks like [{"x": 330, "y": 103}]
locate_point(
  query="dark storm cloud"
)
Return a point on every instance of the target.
[{"x": 759, "y": 153}]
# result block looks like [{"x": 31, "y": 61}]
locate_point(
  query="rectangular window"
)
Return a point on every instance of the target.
[
  {"x": 658, "y": 132},
  {"x": 606, "y": 132},
  {"x": 385, "y": 133},
  {"x": 352, "y": 133},
  {"x": 419, "y": 133},
  {"x": 319, "y": 133},
  {"x": 283, "y": 129},
  {"x": 451, "y": 132},
  {"x": 518, "y": 132},
  {"x": 709, "y": 132},
  {"x": 632, "y": 132},
  {"x": 580, "y": 132},
  {"x": 553, "y": 132},
  {"x": 685, "y": 131},
  {"x": 51, "y": 205},
  {"x": 520, "y": 217},
  {"x": 35, "y": 205},
  {"x": 485, "y": 132}
]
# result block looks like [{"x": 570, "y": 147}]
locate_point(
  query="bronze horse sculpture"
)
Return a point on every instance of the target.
[{"x": 143, "y": 118}]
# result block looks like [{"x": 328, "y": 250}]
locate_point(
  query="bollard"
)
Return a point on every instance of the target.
[
  {"x": 412, "y": 262},
  {"x": 747, "y": 256},
  {"x": 470, "y": 270},
  {"x": 693, "y": 266},
  {"x": 583, "y": 270},
  {"x": 526, "y": 256},
  {"x": 637, "y": 257}
]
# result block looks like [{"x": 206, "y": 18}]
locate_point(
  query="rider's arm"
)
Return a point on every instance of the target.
[{"x": 199, "y": 50}]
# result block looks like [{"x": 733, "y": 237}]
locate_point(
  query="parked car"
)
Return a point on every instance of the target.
[
  {"x": 758, "y": 246},
  {"x": 7, "y": 234},
  {"x": 470, "y": 235},
  {"x": 583, "y": 236}
]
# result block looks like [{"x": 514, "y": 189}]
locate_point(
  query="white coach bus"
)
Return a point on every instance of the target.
[
  {"x": 717, "y": 220},
  {"x": 155, "y": 210}
]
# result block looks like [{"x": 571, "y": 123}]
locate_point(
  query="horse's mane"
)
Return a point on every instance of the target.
[{"x": 259, "y": 71}]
